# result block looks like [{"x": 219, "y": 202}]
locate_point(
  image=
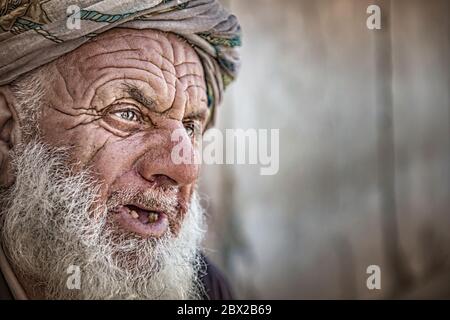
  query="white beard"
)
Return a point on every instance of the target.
[{"x": 48, "y": 224}]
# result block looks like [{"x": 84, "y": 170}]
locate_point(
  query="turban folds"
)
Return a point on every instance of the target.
[{"x": 35, "y": 32}]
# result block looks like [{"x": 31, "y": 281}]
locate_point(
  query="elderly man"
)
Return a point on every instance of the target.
[{"x": 92, "y": 204}]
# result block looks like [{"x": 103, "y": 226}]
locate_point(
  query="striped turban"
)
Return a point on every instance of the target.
[{"x": 35, "y": 32}]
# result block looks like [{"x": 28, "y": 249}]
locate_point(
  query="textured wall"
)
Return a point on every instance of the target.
[{"x": 364, "y": 152}]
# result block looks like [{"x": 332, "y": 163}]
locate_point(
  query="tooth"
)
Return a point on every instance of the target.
[
  {"x": 152, "y": 217},
  {"x": 134, "y": 214}
]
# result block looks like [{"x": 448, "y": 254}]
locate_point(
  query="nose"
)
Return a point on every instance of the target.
[{"x": 157, "y": 164}]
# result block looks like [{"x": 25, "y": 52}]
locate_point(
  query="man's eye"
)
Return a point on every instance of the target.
[
  {"x": 191, "y": 128},
  {"x": 128, "y": 115}
]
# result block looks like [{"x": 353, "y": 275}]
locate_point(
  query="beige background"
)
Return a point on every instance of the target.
[{"x": 364, "y": 153}]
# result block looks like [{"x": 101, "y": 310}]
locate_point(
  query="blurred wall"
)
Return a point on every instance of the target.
[{"x": 364, "y": 152}]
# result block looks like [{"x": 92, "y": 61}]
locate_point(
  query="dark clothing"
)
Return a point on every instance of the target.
[
  {"x": 5, "y": 293},
  {"x": 216, "y": 286}
]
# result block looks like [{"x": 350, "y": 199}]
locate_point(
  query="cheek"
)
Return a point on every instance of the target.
[
  {"x": 53, "y": 127},
  {"x": 70, "y": 131},
  {"x": 110, "y": 156},
  {"x": 93, "y": 148}
]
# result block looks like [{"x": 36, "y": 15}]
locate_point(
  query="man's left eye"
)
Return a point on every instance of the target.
[
  {"x": 191, "y": 128},
  {"x": 128, "y": 115}
]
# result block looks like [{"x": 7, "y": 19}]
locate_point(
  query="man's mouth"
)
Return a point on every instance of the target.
[{"x": 142, "y": 221}]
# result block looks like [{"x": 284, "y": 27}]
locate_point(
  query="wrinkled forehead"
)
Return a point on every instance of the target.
[
  {"x": 147, "y": 43},
  {"x": 159, "y": 59}
]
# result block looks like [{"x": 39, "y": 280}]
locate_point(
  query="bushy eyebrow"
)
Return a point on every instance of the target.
[
  {"x": 200, "y": 115},
  {"x": 137, "y": 94}
]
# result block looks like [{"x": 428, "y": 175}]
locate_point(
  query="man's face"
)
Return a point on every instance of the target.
[
  {"x": 96, "y": 186},
  {"x": 116, "y": 102}
]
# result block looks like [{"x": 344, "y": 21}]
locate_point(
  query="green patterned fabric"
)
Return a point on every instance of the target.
[{"x": 35, "y": 32}]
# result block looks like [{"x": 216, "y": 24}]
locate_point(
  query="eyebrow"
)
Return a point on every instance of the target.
[
  {"x": 201, "y": 115},
  {"x": 136, "y": 94}
]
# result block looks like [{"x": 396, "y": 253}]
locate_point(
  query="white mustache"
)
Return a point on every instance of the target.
[{"x": 156, "y": 199}]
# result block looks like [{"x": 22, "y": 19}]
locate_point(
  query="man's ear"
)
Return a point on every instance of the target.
[{"x": 9, "y": 134}]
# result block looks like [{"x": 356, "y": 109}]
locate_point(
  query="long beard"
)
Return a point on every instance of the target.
[{"x": 51, "y": 220}]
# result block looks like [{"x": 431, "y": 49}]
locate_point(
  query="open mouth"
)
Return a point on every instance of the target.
[{"x": 142, "y": 221}]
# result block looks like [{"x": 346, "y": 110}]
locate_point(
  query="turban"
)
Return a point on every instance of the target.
[{"x": 35, "y": 32}]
